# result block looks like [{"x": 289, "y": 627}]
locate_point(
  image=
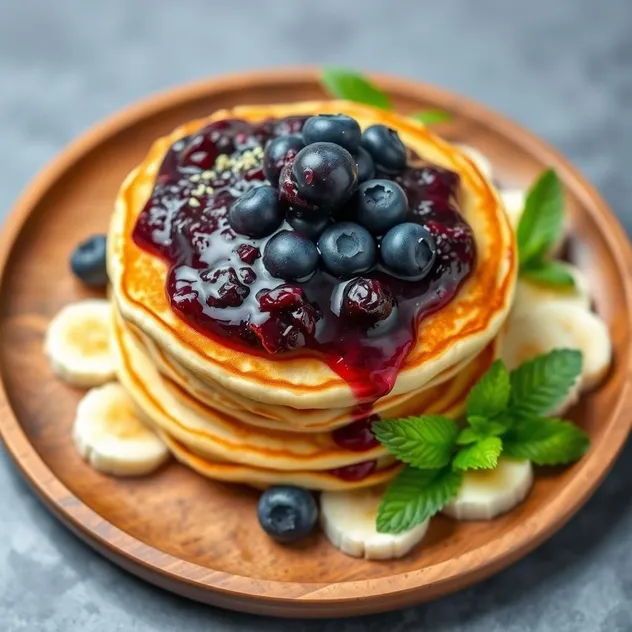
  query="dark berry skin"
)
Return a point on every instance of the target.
[
  {"x": 325, "y": 174},
  {"x": 333, "y": 128},
  {"x": 256, "y": 213},
  {"x": 365, "y": 165},
  {"x": 380, "y": 205},
  {"x": 277, "y": 152},
  {"x": 87, "y": 261},
  {"x": 386, "y": 148},
  {"x": 290, "y": 256},
  {"x": 287, "y": 513},
  {"x": 366, "y": 302},
  {"x": 408, "y": 251},
  {"x": 347, "y": 249},
  {"x": 311, "y": 228}
]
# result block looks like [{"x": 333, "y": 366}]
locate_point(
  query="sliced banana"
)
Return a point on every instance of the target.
[
  {"x": 589, "y": 333},
  {"x": 530, "y": 334},
  {"x": 514, "y": 200},
  {"x": 530, "y": 294},
  {"x": 78, "y": 343},
  {"x": 478, "y": 158},
  {"x": 110, "y": 436},
  {"x": 348, "y": 519},
  {"x": 485, "y": 494}
]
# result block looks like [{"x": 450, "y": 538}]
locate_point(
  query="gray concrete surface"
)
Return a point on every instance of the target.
[{"x": 561, "y": 67}]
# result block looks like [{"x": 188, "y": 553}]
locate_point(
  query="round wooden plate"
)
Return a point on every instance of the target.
[{"x": 201, "y": 539}]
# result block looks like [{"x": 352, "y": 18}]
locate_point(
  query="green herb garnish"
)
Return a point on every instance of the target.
[
  {"x": 539, "y": 228},
  {"x": 505, "y": 417},
  {"x": 343, "y": 83}
]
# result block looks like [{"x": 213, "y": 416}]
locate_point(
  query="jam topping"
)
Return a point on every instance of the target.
[{"x": 362, "y": 325}]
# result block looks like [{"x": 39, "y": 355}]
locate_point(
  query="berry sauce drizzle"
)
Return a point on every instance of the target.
[{"x": 217, "y": 282}]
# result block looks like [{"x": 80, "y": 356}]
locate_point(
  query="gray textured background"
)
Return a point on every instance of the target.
[{"x": 561, "y": 67}]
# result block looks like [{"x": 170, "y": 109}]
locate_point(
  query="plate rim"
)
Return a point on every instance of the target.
[{"x": 311, "y": 599}]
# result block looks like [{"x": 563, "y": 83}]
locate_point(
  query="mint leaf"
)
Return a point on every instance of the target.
[
  {"x": 481, "y": 430},
  {"x": 343, "y": 83},
  {"x": 546, "y": 441},
  {"x": 490, "y": 396},
  {"x": 414, "y": 496},
  {"x": 482, "y": 455},
  {"x": 430, "y": 117},
  {"x": 541, "y": 222},
  {"x": 539, "y": 385},
  {"x": 548, "y": 273},
  {"x": 425, "y": 442}
]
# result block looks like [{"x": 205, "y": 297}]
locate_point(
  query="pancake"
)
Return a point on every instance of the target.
[
  {"x": 447, "y": 338},
  {"x": 304, "y": 420},
  {"x": 262, "y": 478},
  {"x": 215, "y": 435}
]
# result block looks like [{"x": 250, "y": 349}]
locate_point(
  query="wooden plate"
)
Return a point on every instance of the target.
[{"x": 200, "y": 539}]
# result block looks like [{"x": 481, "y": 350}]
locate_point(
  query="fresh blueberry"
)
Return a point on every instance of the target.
[
  {"x": 325, "y": 174},
  {"x": 364, "y": 163},
  {"x": 386, "y": 148},
  {"x": 409, "y": 251},
  {"x": 367, "y": 301},
  {"x": 277, "y": 151},
  {"x": 256, "y": 213},
  {"x": 333, "y": 128},
  {"x": 290, "y": 256},
  {"x": 312, "y": 228},
  {"x": 87, "y": 262},
  {"x": 380, "y": 205},
  {"x": 347, "y": 249},
  {"x": 287, "y": 513}
]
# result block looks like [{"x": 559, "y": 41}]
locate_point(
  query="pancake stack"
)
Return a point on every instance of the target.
[{"x": 264, "y": 419}]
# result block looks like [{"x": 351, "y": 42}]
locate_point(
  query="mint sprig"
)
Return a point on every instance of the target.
[
  {"x": 546, "y": 441},
  {"x": 539, "y": 228},
  {"x": 423, "y": 442},
  {"x": 505, "y": 417},
  {"x": 481, "y": 455},
  {"x": 431, "y": 117},
  {"x": 344, "y": 83},
  {"x": 540, "y": 385},
  {"x": 414, "y": 496}
]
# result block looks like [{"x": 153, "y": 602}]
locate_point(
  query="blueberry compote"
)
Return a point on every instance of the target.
[{"x": 362, "y": 325}]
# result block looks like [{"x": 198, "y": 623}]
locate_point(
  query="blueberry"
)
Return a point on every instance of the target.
[
  {"x": 277, "y": 151},
  {"x": 287, "y": 513},
  {"x": 333, "y": 128},
  {"x": 87, "y": 262},
  {"x": 312, "y": 228},
  {"x": 380, "y": 205},
  {"x": 347, "y": 249},
  {"x": 367, "y": 301},
  {"x": 409, "y": 251},
  {"x": 325, "y": 174},
  {"x": 364, "y": 163},
  {"x": 290, "y": 256},
  {"x": 386, "y": 148},
  {"x": 256, "y": 213}
]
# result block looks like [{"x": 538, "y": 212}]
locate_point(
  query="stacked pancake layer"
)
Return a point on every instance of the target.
[{"x": 241, "y": 417}]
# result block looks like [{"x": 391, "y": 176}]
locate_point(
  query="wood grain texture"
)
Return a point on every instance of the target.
[{"x": 199, "y": 538}]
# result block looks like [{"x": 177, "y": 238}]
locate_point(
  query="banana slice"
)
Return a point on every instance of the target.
[
  {"x": 478, "y": 158},
  {"x": 485, "y": 494},
  {"x": 348, "y": 520},
  {"x": 514, "y": 200},
  {"x": 78, "y": 343},
  {"x": 111, "y": 438},
  {"x": 531, "y": 334},
  {"x": 530, "y": 294},
  {"x": 589, "y": 334}
]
